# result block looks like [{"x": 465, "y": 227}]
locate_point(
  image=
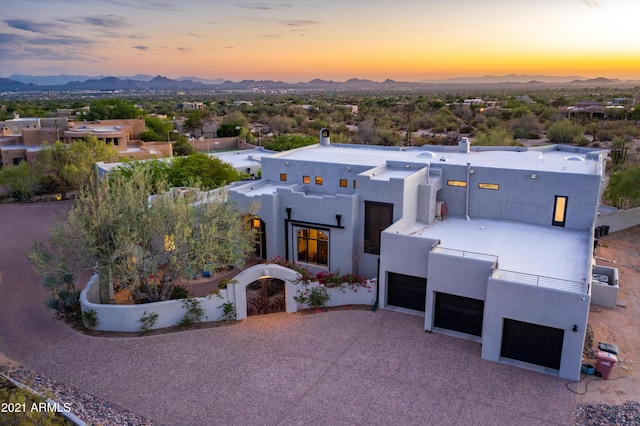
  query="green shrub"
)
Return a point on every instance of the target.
[
  {"x": 194, "y": 312},
  {"x": 179, "y": 292},
  {"x": 148, "y": 320},
  {"x": 90, "y": 319},
  {"x": 564, "y": 132},
  {"x": 318, "y": 297},
  {"x": 228, "y": 312}
]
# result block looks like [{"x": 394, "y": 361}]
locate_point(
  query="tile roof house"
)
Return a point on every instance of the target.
[{"x": 491, "y": 244}]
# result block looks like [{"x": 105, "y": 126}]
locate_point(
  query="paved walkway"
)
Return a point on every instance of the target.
[{"x": 342, "y": 367}]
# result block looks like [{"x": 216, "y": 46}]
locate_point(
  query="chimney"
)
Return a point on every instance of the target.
[
  {"x": 464, "y": 146},
  {"x": 324, "y": 137}
]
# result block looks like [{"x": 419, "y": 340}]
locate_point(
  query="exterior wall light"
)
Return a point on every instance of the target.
[
  {"x": 534, "y": 176},
  {"x": 265, "y": 274},
  {"x": 348, "y": 169}
]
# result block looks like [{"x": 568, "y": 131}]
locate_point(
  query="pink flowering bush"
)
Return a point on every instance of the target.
[{"x": 327, "y": 279}]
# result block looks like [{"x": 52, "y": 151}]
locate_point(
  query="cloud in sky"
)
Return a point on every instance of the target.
[
  {"x": 28, "y": 25},
  {"x": 141, "y": 47},
  {"x": 264, "y": 6}
]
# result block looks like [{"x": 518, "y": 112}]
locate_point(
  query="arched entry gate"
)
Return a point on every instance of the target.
[
  {"x": 264, "y": 285},
  {"x": 266, "y": 296}
]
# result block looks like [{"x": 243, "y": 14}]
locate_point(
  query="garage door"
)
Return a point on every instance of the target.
[
  {"x": 532, "y": 343},
  {"x": 458, "y": 313},
  {"x": 406, "y": 291}
]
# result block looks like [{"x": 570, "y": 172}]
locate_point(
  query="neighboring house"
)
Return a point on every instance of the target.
[
  {"x": 491, "y": 244},
  {"x": 191, "y": 106},
  {"x": 245, "y": 160},
  {"x": 21, "y": 139}
]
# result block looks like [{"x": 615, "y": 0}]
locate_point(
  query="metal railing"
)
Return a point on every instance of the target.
[
  {"x": 467, "y": 254},
  {"x": 541, "y": 281}
]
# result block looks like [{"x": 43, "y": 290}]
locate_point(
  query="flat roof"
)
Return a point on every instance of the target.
[
  {"x": 531, "y": 249},
  {"x": 549, "y": 159},
  {"x": 242, "y": 158}
]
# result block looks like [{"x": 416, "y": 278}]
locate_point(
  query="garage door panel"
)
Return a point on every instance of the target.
[
  {"x": 406, "y": 291},
  {"x": 457, "y": 313},
  {"x": 532, "y": 343}
]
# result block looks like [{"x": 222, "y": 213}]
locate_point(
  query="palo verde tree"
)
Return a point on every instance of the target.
[
  {"x": 142, "y": 245},
  {"x": 623, "y": 189},
  {"x": 71, "y": 165}
]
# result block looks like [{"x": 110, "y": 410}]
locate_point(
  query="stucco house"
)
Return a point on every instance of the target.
[
  {"x": 491, "y": 244},
  {"x": 22, "y": 139}
]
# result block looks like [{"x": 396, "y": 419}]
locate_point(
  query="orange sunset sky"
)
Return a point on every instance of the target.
[{"x": 407, "y": 40}]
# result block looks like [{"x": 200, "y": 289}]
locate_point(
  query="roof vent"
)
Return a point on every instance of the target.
[
  {"x": 574, "y": 158},
  {"x": 324, "y": 137},
  {"x": 464, "y": 146}
]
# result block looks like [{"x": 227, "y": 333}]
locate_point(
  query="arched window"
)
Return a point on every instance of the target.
[{"x": 313, "y": 247}]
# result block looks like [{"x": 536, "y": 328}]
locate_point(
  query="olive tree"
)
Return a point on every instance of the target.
[{"x": 141, "y": 245}]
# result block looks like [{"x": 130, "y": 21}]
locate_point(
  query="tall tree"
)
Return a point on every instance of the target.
[
  {"x": 623, "y": 189},
  {"x": 21, "y": 181},
  {"x": 194, "y": 121},
  {"x": 112, "y": 109},
  {"x": 157, "y": 129},
  {"x": 71, "y": 165},
  {"x": 209, "y": 172}
]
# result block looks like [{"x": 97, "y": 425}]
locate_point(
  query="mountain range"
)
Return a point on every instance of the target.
[{"x": 142, "y": 82}]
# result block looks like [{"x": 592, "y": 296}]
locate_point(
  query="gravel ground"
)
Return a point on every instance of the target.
[
  {"x": 604, "y": 414},
  {"x": 95, "y": 411},
  {"x": 88, "y": 408}
]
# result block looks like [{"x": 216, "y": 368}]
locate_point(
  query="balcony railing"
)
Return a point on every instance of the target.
[
  {"x": 541, "y": 281},
  {"x": 467, "y": 254}
]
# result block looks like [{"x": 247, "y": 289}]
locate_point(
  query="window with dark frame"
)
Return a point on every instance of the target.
[
  {"x": 306, "y": 179},
  {"x": 343, "y": 183},
  {"x": 319, "y": 180},
  {"x": 283, "y": 177},
  {"x": 313, "y": 246},
  {"x": 377, "y": 217},
  {"x": 560, "y": 210}
]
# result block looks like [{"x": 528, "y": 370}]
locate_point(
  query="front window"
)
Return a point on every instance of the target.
[{"x": 313, "y": 246}]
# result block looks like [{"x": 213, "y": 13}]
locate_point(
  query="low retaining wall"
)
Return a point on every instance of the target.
[
  {"x": 170, "y": 312},
  {"x": 619, "y": 220},
  {"x": 127, "y": 317}
]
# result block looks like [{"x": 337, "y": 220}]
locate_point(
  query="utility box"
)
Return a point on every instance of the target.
[
  {"x": 604, "y": 363},
  {"x": 604, "y": 286}
]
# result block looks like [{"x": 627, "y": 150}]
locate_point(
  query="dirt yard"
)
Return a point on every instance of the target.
[{"x": 620, "y": 326}]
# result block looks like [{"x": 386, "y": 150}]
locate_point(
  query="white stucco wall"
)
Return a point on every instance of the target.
[
  {"x": 127, "y": 317},
  {"x": 536, "y": 305}
]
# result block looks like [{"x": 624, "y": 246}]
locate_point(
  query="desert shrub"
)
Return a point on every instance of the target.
[
  {"x": 564, "y": 132},
  {"x": 90, "y": 319},
  {"x": 317, "y": 297},
  {"x": 179, "y": 292},
  {"x": 148, "y": 320},
  {"x": 228, "y": 312},
  {"x": 194, "y": 312}
]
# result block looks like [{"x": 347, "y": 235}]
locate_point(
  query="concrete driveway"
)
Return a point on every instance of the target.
[{"x": 343, "y": 367}]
